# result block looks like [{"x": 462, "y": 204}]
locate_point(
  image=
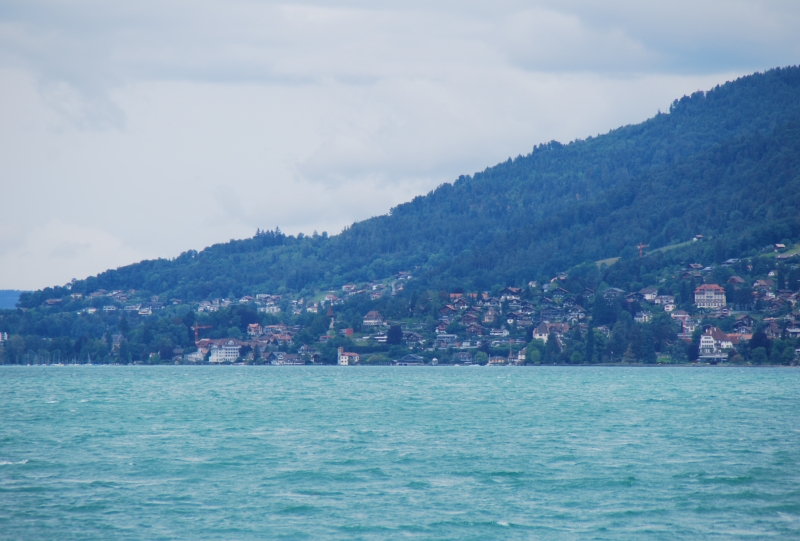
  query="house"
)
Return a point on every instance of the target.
[
  {"x": 743, "y": 324},
  {"x": 279, "y": 358},
  {"x": 762, "y": 286},
  {"x": 254, "y": 329},
  {"x": 613, "y": 293},
  {"x": 502, "y": 331},
  {"x": 543, "y": 330},
  {"x": 510, "y": 293},
  {"x": 474, "y": 330},
  {"x": 649, "y": 293},
  {"x": 714, "y": 344},
  {"x": 736, "y": 280},
  {"x": 409, "y": 360},
  {"x": 345, "y": 358},
  {"x": 373, "y": 319},
  {"x": 412, "y": 338},
  {"x": 643, "y": 317},
  {"x": 462, "y": 357},
  {"x": 664, "y": 299},
  {"x": 709, "y": 296},
  {"x": 460, "y": 304},
  {"x": 224, "y": 351}
]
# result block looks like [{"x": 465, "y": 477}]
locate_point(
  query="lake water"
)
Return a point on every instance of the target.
[{"x": 399, "y": 453}]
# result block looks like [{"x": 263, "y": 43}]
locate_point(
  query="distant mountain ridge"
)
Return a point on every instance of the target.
[
  {"x": 9, "y": 298},
  {"x": 723, "y": 163}
]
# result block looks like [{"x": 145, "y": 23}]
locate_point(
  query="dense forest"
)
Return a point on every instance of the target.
[{"x": 722, "y": 164}]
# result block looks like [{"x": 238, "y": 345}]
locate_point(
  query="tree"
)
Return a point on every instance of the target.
[
  {"x": 759, "y": 355},
  {"x": 395, "y": 335},
  {"x": 590, "y": 344},
  {"x": 760, "y": 340}
]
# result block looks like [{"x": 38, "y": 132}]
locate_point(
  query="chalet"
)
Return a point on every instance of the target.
[
  {"x": 634, "y": 297},
  {"x": 709, "y": 296},
  {"x": 793, "y": 333},
  {"x": 559, "y": 294},
  {"x": 763, "y": 286},
  {"x": 490, "y": 316},
  {"x": 780, "y": 247},
  {"x": 345, "y": 358},
  {"x": 649, "y": 293},
  {"x": 502, "y": 331},
  {"x": 373, "y": 319},
  {"x": 412, "y": 338},
  {"x": 254, "y": 329},
  {"x": 441, "y": 328},
  {"x": 773, "y": 330},
  {"x": 576, "y": 313},
  {"x": 348, "y": 288},
  {"x": 736, "y": 280},
  {"x": 743, "y": 324},
  {"x": 695, "y": 266},
  {"x": 510, "y": 293},
  {"x": 444, "y": 341},
  {"x": 613, "y": 293}
]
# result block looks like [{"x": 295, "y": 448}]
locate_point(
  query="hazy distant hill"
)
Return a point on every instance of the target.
[
  {"x": 8, "y": 298},
  {"x": 723, "y": 163}
]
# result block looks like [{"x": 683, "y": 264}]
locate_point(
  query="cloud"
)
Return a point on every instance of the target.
[
  {"x": 50, "y": 252},
  {"x": 155, "y": 127}
]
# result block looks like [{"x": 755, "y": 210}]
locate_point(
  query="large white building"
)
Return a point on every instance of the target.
[
  {"x": 709, "y": 296},
  {"x": 227, "y": 351}
]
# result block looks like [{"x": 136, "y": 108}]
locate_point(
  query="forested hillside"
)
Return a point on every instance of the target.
[
  {"x": 722, "y": 163},
  {"x": 495, "y": 256}
]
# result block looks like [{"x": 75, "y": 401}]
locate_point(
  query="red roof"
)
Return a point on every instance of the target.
[{"x": 712, "y": 287}]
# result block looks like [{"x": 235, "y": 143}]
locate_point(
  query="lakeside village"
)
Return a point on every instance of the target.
[{"x": 743, "y": 312}]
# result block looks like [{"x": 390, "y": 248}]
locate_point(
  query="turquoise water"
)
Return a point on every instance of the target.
[{"x": 399, "y": 453}]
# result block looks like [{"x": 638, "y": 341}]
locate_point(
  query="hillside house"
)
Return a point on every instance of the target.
[
  {"x": 373, "y": 319},
  {"x": 510, "y": 293},
  {"x": 254, "y": 329},
  {"x": 649, "y": 293}
]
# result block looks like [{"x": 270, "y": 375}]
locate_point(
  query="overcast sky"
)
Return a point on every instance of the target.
[{"x": 132, "y": 130}]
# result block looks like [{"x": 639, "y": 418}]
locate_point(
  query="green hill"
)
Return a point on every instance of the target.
[{"x": 723, "y": 163}]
